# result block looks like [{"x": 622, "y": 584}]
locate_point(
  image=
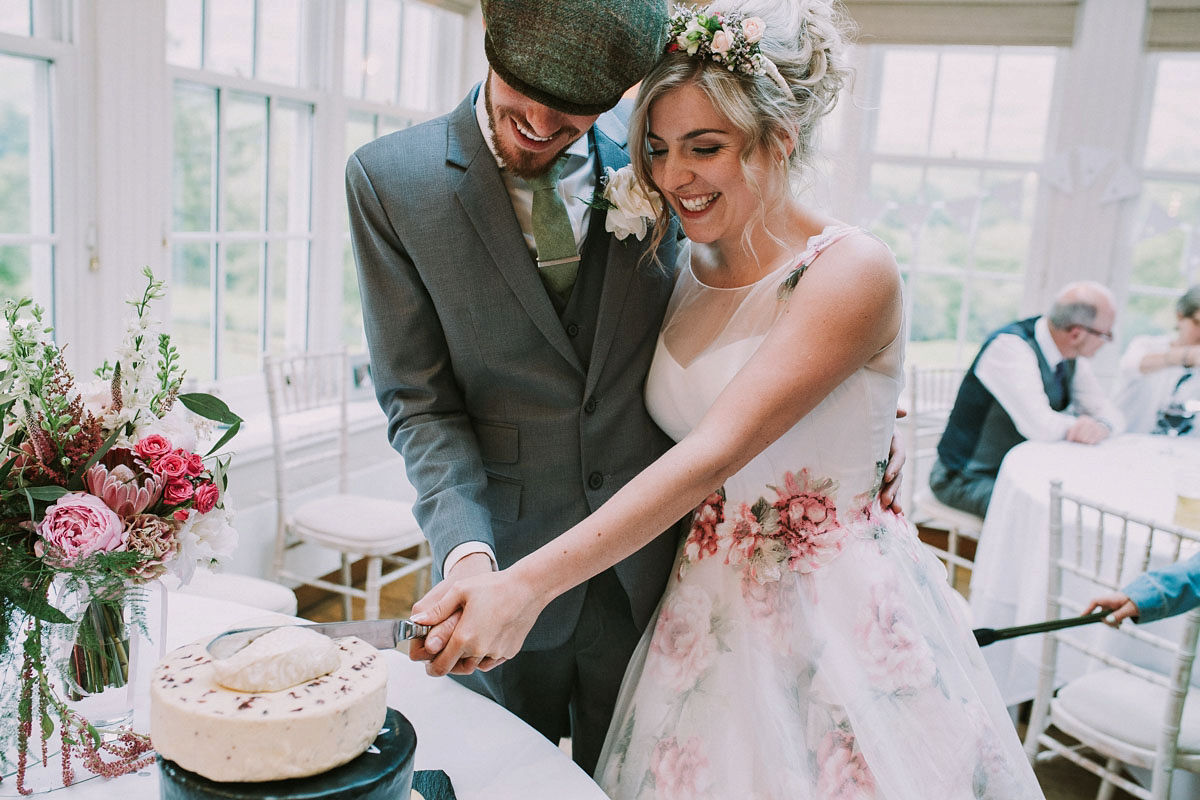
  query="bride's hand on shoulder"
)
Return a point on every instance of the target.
[{"x": 494, "y": 611}]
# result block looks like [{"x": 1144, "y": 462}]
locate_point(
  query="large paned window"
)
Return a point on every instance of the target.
[
  {"x": 1166, "y": 235},
  {"x": 396, "y": 73},
  {"x": 952, "y": 145},
  {"x": 32, "y": 38},
  {"x": 257, "y": 201},
  {"x": 242, "y": 183}
]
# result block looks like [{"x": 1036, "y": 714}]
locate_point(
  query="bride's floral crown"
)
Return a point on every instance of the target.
[{"x": 727, "y": 38}]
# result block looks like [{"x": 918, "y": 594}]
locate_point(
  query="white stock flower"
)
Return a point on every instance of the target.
[
  {"x": 204, "y": 540},
  {"x": 96, "y": 397},
  {"x": 635, "y": 206},
  {"x": 689, "y": 42}
]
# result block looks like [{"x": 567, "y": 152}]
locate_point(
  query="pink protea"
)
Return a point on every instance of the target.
[{"x": 123, "y": 482}]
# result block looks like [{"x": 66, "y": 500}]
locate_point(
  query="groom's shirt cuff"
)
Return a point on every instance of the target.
[{"x": 465, "y": 549}]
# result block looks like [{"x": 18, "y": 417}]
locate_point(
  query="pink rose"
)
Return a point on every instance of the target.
[
  {"x": 753, "y": 28},
  {"x": 843, "y": 774},
  {"x": 172, "y": 465},
  {"x": 206, "y": 497},
  {"x": 182, "y": 514},
  {"x": 682, "y": 647},
  {"x": 80, "y": 524},
  {"x": 721, "y": 42},
  {"x": 177, "y": 491},
  {"x": 152, "y": 447},
  {"x": 195, "y": 464},
  {"x": 680, "y": 771}
]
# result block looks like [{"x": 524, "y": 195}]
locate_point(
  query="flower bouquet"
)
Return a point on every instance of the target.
[{"x": 101, "y": 491}]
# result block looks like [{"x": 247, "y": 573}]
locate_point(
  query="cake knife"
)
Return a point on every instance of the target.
[{"x": 382, "y": 633}]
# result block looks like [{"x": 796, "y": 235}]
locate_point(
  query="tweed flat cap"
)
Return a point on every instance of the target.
[{"x": 576, "y": 56}]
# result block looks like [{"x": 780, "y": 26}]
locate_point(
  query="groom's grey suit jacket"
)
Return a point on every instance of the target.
[{"x": 510, "y": 430}]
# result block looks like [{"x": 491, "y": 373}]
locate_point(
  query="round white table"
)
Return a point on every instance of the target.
[
  {"x": 487, "y": 752},
  {"x": 1008, "y": 585}
]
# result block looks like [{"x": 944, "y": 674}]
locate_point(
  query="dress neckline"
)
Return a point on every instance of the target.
[{"x": 816, "y": 243}]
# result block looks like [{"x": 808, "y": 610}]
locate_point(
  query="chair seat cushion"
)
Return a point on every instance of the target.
[
  {"x": 366, "y": 525},
  {"x": 244, "y": 589},
  {"x": 1128, "y": 708}
]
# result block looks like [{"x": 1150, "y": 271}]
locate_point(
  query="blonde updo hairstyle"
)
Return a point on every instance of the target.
[{"x": 806, "y": 40}]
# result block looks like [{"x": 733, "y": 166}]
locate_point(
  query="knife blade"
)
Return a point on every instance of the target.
[{"x": 381, "y": 633}]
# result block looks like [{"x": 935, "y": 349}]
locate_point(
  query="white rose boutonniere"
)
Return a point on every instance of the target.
[{"x": 631, "y": 207}]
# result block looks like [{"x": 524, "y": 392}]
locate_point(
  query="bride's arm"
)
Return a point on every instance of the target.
[{"x": 846, "y": 308}]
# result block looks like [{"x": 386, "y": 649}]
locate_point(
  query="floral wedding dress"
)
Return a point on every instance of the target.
[{"x": 807, "y": 647}]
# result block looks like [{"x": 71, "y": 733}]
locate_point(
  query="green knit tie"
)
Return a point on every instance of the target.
[{"x": 558, "y": 260}]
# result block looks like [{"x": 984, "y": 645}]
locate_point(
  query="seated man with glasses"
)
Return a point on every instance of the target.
[
  {"x": 1031, "y": 380},
  {"x": 1157, "y": 373}
]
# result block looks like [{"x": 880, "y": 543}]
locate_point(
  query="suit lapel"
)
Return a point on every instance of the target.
[
  {"x": 622, "y": 261},
  {"x": 484, "y": 198}
]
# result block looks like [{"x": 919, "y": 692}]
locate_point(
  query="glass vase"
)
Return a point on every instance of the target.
[{"x": 97, "y": 658}]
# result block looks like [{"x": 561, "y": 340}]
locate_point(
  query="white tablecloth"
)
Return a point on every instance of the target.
[
  {"x": 1008, "y": 586},
  {"x": 486, "y": 751}
]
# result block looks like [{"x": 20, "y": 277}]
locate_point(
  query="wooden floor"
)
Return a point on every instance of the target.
[{"x": 1060, "y": 780}]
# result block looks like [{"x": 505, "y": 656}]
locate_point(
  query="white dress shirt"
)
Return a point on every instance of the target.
[
  {"x": 1008, "y": 369},
  {"x": 575, "y": 186}
]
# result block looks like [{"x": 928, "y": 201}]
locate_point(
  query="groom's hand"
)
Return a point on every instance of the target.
[{"x": 428, "y": 647}]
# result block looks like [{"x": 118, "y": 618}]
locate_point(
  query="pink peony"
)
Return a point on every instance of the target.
[
  {"x": 206, "y": 497},
  {"x": 843, "y": 773},
  {"x": 808, "y": 522},
  {"x": 680, "y": 771},
  {"x": 123, "y": 482},
  {"x": 79, "y": 525},
  {"x": 682, "y": 646},
  {"x": 896, "y": 655},
  {"x": 172, "y": 465},
  {"x": 721, "y": 42},
  {"x": 153, "y": 537},
  {"x": 177, "y": 491},
  {"x": 152, "y": 447},
  {"x": 753, "y": 28}
]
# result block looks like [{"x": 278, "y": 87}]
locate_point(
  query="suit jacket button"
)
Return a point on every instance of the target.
[
  {"x": 572, "y": 330},
  {"x": 590, "y": 405},
  {"x": 595, "y": 480}
]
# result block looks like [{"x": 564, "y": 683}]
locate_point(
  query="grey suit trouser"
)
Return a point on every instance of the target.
[
  {"x": 571, "y": 690},
  {"x": 967, "y": 491}
]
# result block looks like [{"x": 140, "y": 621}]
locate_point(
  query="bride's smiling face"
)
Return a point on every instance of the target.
[{"x": 696, "y": 163}]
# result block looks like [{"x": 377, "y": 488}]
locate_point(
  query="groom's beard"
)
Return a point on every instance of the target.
[{"x": 520, "y": 162}]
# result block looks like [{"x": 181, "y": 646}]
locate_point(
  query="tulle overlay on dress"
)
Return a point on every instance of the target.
[{"x": 808, "y": 646}]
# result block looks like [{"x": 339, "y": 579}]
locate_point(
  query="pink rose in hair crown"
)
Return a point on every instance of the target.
[
  {"x": 78, "y": 525},
  {"x": 753, "y": 28},
  {"x": 721, "y": 42}
]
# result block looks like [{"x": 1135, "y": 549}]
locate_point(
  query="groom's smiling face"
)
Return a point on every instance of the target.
[{"x": 528, "y": 135}]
